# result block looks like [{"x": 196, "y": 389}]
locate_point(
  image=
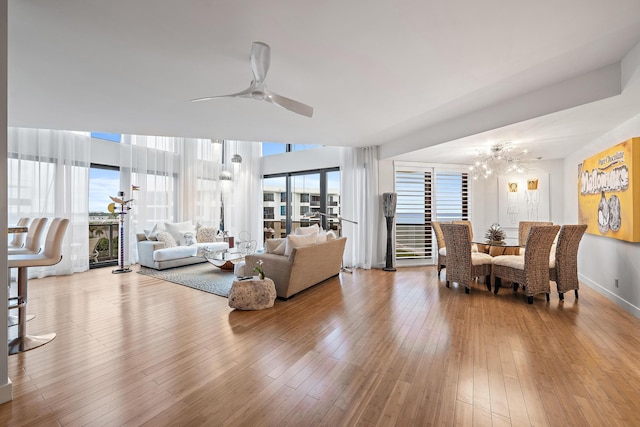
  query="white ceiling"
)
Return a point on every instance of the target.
[{"x": 426, "y": 80}]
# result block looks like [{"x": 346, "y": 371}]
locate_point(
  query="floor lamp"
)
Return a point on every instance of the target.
[{"x": 340, "y": 219}]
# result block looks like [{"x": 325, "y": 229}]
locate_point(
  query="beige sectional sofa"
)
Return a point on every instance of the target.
[{"x": 304, "y": 267}]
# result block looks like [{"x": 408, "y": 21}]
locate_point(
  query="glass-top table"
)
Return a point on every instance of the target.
[
  {"x": 504, "y": 247},
  {"x": 225, "y": 259}
]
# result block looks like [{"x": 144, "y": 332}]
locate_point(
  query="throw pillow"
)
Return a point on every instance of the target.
[
  {"x": 177, "y": 229},
  {"x": 151, "y": 234},
  {"x": 331, "y": 235},
  {"x": 294, "y": 241},
  {"x": 321, "y": 237},
  {"x": 206, "y": 234},
  {"x": 166, "y": 238},
  {"x": 276, "y": 246},
  {"x": 188, "y": 239},
  {"x": 313, "y": 229}
]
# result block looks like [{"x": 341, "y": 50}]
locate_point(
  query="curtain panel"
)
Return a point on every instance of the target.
[
  {"x": 360, "y": 202},
  {"x": 48, "y": 176}
]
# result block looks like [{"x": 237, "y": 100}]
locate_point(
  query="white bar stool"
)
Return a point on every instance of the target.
[{"x": 51, "y": 255}]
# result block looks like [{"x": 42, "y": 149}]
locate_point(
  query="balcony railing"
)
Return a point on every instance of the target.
[{"x": 103, "y": 243}]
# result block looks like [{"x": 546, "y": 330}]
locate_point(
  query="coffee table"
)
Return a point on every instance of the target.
[{"x": 224, "y": 260}]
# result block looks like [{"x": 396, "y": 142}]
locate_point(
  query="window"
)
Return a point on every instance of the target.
[
  {"x": 319, "y": 189},
  {"x": 425, "y": 195},
  {"x": 115, "y": 137},
  {"x": 268, "y": 197},
  {"x": 268, "y": 213},
  {"x": 271, "y": 148}
]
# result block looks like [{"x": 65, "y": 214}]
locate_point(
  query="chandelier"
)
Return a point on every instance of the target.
[{"x": 498, "y": 159}]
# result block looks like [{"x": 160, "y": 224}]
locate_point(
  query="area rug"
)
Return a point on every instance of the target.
[{"x": 204, "y": 277}]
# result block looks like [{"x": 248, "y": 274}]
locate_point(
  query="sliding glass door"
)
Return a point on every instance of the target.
[{"x": 301, "y": 199}]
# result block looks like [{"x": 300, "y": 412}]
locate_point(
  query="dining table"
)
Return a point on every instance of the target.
[{"x": 496, "y": 248}]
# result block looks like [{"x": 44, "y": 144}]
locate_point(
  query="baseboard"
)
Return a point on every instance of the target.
[
  {"x": 611, "y": 296},
  {"x": 6, "y": 392}
]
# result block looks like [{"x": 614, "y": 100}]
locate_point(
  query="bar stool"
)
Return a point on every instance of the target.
[
  {"x": 33, "y": 239},
  {"x": 17, "y": 240},
  {"x": 32, "y": 245},
  {"x": 51, "y": 255}
]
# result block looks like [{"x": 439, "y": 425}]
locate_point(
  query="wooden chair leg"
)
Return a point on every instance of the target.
[
  {"x": 530, "y": 300},
  {"x": 496, "y": 284},
  {"x": 561, "y": 296},
  {"x": 488, "y": 280},
  {"x": 466, "y": 290},
  {"x": 576, "y": 291},
  {"x": 548, "y": 297},
  {"x": 447, "y": 283}
]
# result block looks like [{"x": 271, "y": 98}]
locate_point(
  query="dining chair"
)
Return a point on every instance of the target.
[
  {"x": 51, "y": 255},
  {"x": 34, "y": 238},
  {"x": 17, "y": 240},
  {"x": 442, "y": 248},
  {"x": 563, "y": 263},
  {"x": 523, "y": 230},
  {"x": 463, "y": 265},
  {"x": 531, "y": 270},
  {"x": 474, "y": 247}
]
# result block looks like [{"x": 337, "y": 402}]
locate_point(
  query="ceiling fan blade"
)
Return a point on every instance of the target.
[
  {"x": 260, "y": 61},
  {"x": 244, "y": 94},
  {"x": 289, "y": 104}
]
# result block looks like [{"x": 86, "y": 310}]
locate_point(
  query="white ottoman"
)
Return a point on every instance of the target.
[{"x": 240, "y": 270}]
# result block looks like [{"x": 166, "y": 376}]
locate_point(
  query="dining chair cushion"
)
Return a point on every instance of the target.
[
  {"x": 480, "y": 258},
  {"x": 511, "y": 261}
]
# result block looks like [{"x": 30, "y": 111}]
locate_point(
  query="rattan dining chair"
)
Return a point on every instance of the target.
[
  {"x": 563, "y": 263},
  {"x": 17, "y": 240},
  {"x": 442, "y": 248},
  {"x": 523, "y": 230},
  {"x": 463, "y": 265},
  {"x": 531, "y": 271}
]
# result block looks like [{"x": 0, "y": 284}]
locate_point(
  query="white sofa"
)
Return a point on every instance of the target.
[{"x": 159, "y": 251}]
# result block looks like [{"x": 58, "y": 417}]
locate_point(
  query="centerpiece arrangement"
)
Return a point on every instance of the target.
[{"x": 495, "y": 235}]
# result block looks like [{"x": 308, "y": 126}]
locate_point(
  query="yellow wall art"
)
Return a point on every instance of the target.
[{"x": 608, "y": 186}]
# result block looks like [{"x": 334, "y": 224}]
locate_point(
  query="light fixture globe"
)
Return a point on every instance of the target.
[
  {"x": 236, "y": 158},
  {"x": 225, "y": 176}
]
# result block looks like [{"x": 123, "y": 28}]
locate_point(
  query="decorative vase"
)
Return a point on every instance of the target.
[{"x": 389, "y": 203}]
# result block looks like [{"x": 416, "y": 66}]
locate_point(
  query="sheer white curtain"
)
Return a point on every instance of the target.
[
  {"x": 152, "y": 164},
  {"x": 243, "y": 200},
  {"x": 48, "y": 176},
  {"x": 360, "y": 202},
  {"x": 178, "y": 180}
]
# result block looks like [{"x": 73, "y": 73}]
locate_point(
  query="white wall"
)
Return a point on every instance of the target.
[
  {"x": 6, "y": 390},
  {"x": 486, "y": 193},
  {"x": 601, "y": 260}
]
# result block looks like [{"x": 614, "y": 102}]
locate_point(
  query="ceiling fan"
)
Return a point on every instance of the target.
[{"x": 260, "y": 61}]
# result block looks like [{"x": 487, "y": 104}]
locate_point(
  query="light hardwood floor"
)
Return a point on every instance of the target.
[{"x": 371, "y": 348}]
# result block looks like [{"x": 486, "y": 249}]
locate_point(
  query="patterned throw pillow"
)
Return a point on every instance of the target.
[
  {"x": 166, "y": 238},
  {"x": 188, "y": 239},
  {"x": 206, "y": 234}
]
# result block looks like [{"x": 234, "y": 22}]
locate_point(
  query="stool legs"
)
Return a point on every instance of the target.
[{"x": 24, "y": 342}]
